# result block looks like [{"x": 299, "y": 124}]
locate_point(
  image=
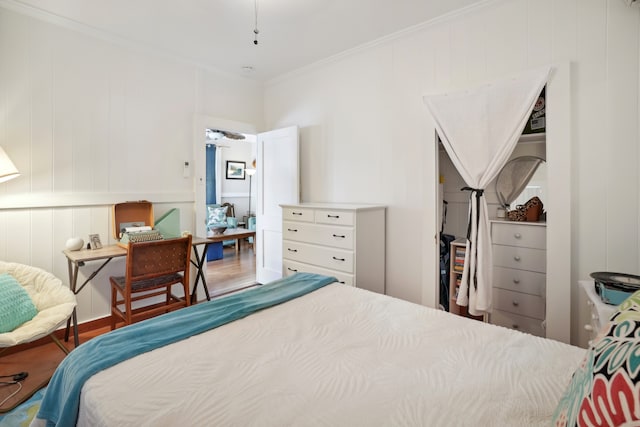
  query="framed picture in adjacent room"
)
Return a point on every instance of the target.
[{"x": 235, "y": 170}]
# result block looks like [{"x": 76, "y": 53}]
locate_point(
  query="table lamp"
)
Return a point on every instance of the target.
[{"x": 7, "y": 169}]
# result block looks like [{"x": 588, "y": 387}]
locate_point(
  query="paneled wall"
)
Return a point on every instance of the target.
[
  {"x": 89, "y": 123},
  {"x": 365, "y": 138}
]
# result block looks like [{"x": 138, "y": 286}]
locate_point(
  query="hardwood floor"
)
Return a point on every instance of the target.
[{"x": 231, "y": 273}]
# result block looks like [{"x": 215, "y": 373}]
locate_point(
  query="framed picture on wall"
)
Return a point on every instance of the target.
[{"x": 235, "y": 170}]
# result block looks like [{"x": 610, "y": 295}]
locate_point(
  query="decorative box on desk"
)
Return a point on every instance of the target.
[
  {"x": 131, "y": 214},
  {"x": 346, "y": 241}
]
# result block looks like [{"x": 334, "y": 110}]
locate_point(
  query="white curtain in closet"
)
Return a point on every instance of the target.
[{"x": 479, "y": 129}]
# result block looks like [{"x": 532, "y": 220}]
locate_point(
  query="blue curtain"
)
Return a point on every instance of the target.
[{"x": 211, "y": 174}]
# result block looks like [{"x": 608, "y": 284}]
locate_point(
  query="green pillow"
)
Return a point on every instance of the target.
[{"x": 16, "y": 306}]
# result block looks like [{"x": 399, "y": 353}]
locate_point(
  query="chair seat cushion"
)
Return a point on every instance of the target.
[
  {"x": 16, "y": 307},
  {"x": 149, "y": 283},
  {"x": 53, "y": 300}
]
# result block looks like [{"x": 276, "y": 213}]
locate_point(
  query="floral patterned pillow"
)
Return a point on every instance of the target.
[
  {"x": 216, "y": 216},
  {"x": 605, "y": 389}
]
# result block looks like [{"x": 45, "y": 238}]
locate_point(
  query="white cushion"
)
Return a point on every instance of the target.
[{"x": 54, "y": 301}]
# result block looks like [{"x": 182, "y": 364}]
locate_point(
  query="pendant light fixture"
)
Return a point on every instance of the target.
[{"x": 255, "y": 29}]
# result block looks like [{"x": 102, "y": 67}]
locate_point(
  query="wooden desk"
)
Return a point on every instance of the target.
[
  {"x": 77, "y": 259},
  {"x": 229, "y": 234}
]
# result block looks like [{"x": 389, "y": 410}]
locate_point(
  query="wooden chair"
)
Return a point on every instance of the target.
[
  {"x": 152, "y": 268},
  {"x": 231, "y": 209}
]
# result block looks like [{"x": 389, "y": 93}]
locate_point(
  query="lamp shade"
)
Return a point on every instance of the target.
[
  {"x": 7, "y": 169},
  {"x": 250, "y": 172}
]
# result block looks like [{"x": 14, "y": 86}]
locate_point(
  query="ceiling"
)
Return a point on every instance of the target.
[{"x": 218, "y": 34}]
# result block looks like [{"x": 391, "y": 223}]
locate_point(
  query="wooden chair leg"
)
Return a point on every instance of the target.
[
  {"x": 113, "y": 307},
  {"x": 127, "y": 306},
  {"x": 59, "y": 344}
]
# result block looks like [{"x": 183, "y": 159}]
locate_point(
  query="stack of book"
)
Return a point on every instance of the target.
[{"x": 458, "y": 261}]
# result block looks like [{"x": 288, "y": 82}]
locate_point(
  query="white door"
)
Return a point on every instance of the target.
[{"x": 278, "y": 181}]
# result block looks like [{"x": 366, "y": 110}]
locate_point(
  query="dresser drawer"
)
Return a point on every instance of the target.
[
  {"x": 519, "y": 303},
  {"x": 332, "y": 259},
  {"x": 520, "y": 258},
  {"x": 519, "y": 323},
  {"x": 338, "y": 237},
  {"x": 526, "y": 236},
  {"x": 336, "y": 217},
  {"x": 292, "y": 267},
  {"x": 298, "y": 214},
  {"x": 528, "y": 282}
]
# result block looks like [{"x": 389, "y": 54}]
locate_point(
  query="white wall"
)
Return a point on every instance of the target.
[
  {"x": 90, "y": 123},
  {"x": 365, "y": 138}
]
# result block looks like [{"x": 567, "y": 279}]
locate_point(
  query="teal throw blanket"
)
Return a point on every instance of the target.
[{"x": 61, "y": 402}]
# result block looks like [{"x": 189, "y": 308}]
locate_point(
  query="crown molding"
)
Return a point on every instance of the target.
[
  {"x": 72, "y": 25},
  {"x": 383, "y": 40}
]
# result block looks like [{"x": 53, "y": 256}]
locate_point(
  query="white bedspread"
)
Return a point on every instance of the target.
[{"x": 338, "y": 357}]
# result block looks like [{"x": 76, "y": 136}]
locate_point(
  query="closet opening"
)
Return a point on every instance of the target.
[{"x": 518, "y": 243}]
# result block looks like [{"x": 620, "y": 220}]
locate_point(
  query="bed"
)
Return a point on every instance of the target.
[{"x": 335, "y": 356}]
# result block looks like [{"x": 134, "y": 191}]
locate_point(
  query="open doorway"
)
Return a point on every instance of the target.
[
  {"x": 229, "y": 271},
  {"x": 230, "y": 193},
  {"x": 275, "y": 182}
]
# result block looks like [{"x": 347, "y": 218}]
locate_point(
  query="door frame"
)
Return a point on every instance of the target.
[
  {"x": 200, "y": 123},
  {"x": 561, "y": 294}
]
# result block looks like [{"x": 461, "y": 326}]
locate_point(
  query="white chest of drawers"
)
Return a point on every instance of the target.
[
  {"x": 340, "y": 240},
  {"x": 599, "y": 312},
  {"x": 519, "y": 275}
]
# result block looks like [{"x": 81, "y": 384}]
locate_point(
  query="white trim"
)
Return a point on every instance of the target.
[
  {"x": 235, "y": 195},
  {"x": 58, "y": 200}
]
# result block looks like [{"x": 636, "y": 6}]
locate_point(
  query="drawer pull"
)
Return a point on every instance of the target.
[
  {"x": 515, "y": 303},
  {"x": 517, "y": 257},
  {"x": 516, "y": 281},
  {"x": 292, "y": 250},
  {"x": 292, "y": 269},
  {"x": 341, "y": 282},
  {"x": 338, "y": 259},
  {"x": 333, "y": 216},
  {"x": 517, "y": 235},
  {"x": 515, "y": 326},
  {"x": 588, "y": 328},
  {"x": 340, "y": 236},
  {"x": 296, "y": 213},
  {"x": 292, "y": 229}
]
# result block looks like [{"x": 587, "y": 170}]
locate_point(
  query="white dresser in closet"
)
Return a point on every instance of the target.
[
  {"x": 346, "y": 241},
  {"x": 519, "y": 275}
]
